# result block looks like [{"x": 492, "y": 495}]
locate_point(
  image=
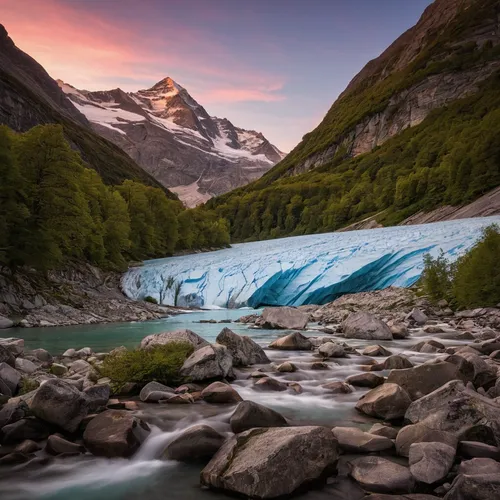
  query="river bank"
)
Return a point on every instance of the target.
[
  {"x": 372, "y": 386},
  {"x": 80, "y": 294}
]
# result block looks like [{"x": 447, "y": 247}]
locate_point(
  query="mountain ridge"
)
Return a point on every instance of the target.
[{"x": 173, "y": 137}]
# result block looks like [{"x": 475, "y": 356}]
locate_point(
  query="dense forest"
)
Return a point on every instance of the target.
[
  {"x": 52, "y": 209},
  {"x": 452, "y": 157}
]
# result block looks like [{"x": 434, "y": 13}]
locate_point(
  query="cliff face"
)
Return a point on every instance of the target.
[{"x": 412, "y": 104}]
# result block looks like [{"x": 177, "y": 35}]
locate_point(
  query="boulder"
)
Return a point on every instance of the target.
[
  {"x": 197, "y": 444},
  {"x": 26, "y": 428},
  {"x": 97, "y": 395},
  {"x": 396, "y": 362},
  {"x": 69, "y": 353},
  {"x": 80, "y": 367},
  {"x": 249, "y": 415},
  {"x": 292, "y": 342},
  {"x": 14, "y": 345},
  {"x": 331, "y": 350},
  {"x": 399, "y": 331},
  {"x": 376, "y": 350},
  {"x": 42, "y": 355},
  {"x": 243, "y": 349},
  {"x": 6, "y": 356},
  {"x": 365, "y": 380},
  {"x": 9, "y": 379},
  {"x": 428, "y": 346},
  {"x": 464, "y": 413},
  {"x": 362, "y": 325},
  {"x": 179, "y": 399},
  {"x": 115, "y": 433},
  {"x": 379, "y": 475},
  {"x": 423, "y": 379},
  {"x": 475, "y": 487},
  {"x": 269, "y": 384},
  {"x": 338, "y": 387},
  {"x": 479, "y": 466},
  {"x": 27, "y": 446},
  {"x": 420, "y": 433},
  {"x": 430, "y": 462},
  {"x": 209, "y": 362},
  {"x": 220, "y": 393},
  {"x": 354, "y": 440},
  {"x": 483, "y": 373},
  {"x": 158, "y": 396},
  {"x": 383, "y": 430},
  {"x": 252, "y": 464},
  {"x": 26, "y": 366},
  {"x": 473, "y": 449},
  {"x": 58, "y": 370},
  {"x": 84, "y": 352},
  {"x": 284, "y": 318},
  {"x": 5, "y": 323},
  {"x": 319, "y": 365},
  {"x": 417, "y": 316},
  {"x": 12, "y": 412},
  {"x": 61, "y": 404},
  {"x": 286, "y": 367},
  {"x": 56, "y": 445},
  {"x": 176, "y": 336},
  {"x": 154, "y": 387},
  {"x": 388, "y": 401}
]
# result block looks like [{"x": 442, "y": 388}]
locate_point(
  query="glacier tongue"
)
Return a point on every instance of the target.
[{"x": 312, "y": 269}]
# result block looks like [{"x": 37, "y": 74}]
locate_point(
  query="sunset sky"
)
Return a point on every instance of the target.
[{"x": 275, "y": 66}]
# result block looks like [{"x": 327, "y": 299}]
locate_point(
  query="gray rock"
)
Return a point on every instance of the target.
[
  {"x": 481, "y": 466},
  {"x": 399, "y": 331},
  {"x": 388, "y": 401},
  {"x": 376, "y": 350},
  {"x": 383, "y": 430},
  {"x": 428, "y": 346},
  {"x": 286, "y": 318},
  {"x": 61, "y": 404},
  {"x": 197, "y": 444},
  {"x": 154, "y": 387},
  {"x": 69, "y": 353},
  {"x": 84, "y": 352},
  {"x": 424, "y": 379},
  {"x": 365, "y": 380},
  {"x": 286, "y": 367},
  {"x": 430, "y": 462},
  {"x": 331, "y": 350},
  {"x": 25, "y": 366},
  {"x": 28, "y": 446},
  {"x": 97, "y": 395},
  {"x": 10, "y": 379},
  {"x": 56, "y": 445},
  {"x": 249, "y": 415},
  {"x": 6, "y": 356},
  {"x": 176, "y": 336},
  {"x": 269, "y": 384},
  {"x": 477, "y": 487},
  {"x": 12, "y": 412},
  {"x": 292, "y": 342},
  {"x": 5, "y": 323},
  {"x": 380, "y": 475},
  {"x": 158, "y": 396},
  {"x": 81, "y": 367},
  {"x": 252, "y": 463},
  {"x": 396, "y": 362},
  {"x": 354, "y": 440},
  {"x": 220, "y": 393},
  {"x": 209, "y": 362},
  {"x": 58, "y": 369},
  {"x": 362, "y": 325},
  {"x": 243, "y": 349},
  {"x": 417, "y": 316},
  {"x": 338, "y": 387},
  {"x": 42, "y": 355},
  {"x": 420, "y": 433},
  {"x": 115, "y": 433}
]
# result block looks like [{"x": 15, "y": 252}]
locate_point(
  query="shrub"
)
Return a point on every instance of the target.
[
  {"x": 27, "y": 385},
  {"x": 150, "y": 299},
  {"x": 437, "y": 278},
  {"x": 160, "y": 363},
  {"x": 477, "y": 277},
  {"x": 472, "y": 281}
]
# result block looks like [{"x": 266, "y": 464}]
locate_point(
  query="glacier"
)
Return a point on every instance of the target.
[{"x": 311, "y": 269}]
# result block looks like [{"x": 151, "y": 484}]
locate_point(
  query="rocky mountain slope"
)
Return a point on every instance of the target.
[
  {"x": 174, "y": 138},
  {"x": 415, "y": 129},
  {"x": 29, "y": 97}
]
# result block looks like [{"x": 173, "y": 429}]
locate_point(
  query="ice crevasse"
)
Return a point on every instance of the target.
[{"x": 311, "y": 269}]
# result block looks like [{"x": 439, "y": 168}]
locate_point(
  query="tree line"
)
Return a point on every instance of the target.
[{"x": 53, "y": 208}]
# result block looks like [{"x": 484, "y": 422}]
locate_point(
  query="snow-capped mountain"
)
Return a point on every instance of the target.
[{"x": 174, "y": 138}]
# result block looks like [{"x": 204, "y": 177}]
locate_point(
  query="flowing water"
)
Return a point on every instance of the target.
[{"x": 86, "y": 477}]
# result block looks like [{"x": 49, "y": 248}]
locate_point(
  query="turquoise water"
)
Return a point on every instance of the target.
[{"x": 104, "y": 337}]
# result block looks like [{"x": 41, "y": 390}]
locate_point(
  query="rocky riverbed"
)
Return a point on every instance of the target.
[{"x": 375, "y": 394}]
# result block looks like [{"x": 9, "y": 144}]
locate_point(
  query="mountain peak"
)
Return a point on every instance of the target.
[{"x": 167, "y": 84}]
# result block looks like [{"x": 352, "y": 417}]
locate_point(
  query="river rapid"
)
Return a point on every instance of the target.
[{"x": 146, "y": 474}]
